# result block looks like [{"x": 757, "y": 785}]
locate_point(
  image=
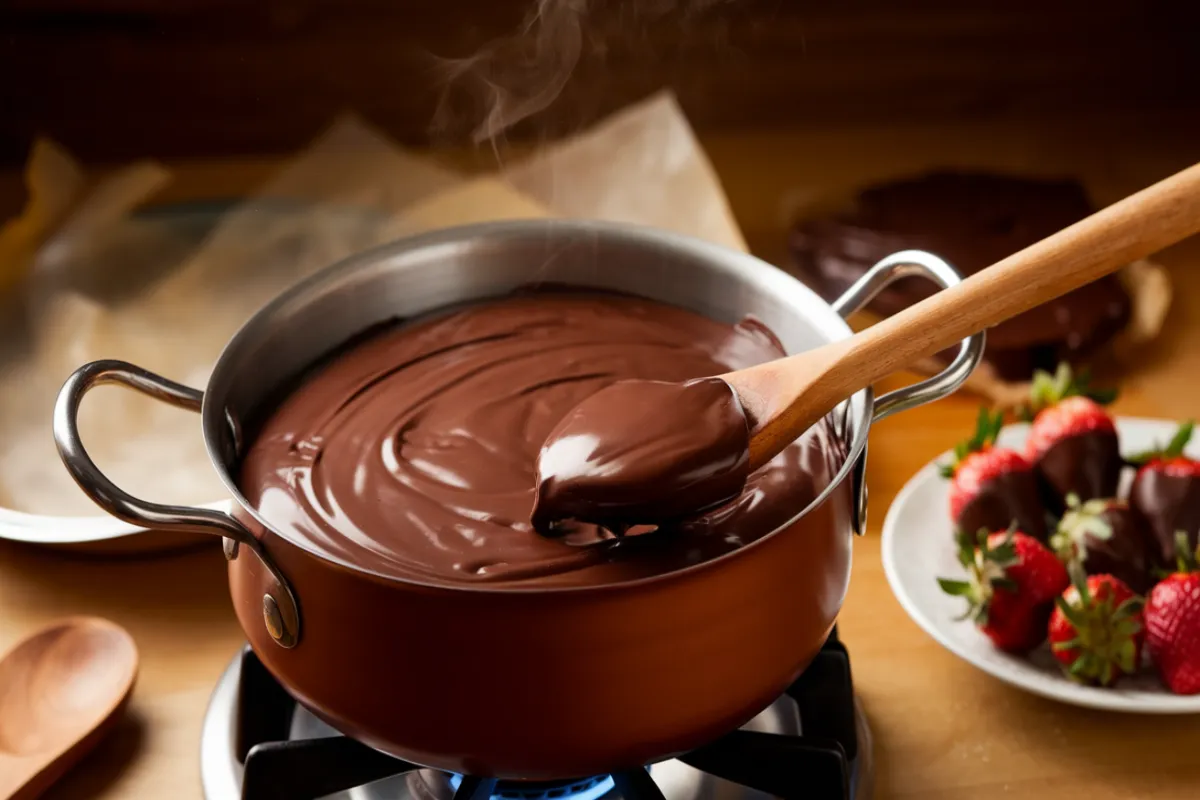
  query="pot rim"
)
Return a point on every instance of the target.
[{"x": 743, "y": 265}]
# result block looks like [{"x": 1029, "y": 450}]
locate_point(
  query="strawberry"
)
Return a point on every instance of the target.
[
  {"x": 1166, "y": 495},
  {"x": 1173, "y": 624},
  {"x": 1096, "y": 630},
  {"x": 1072, "y": 442},
  {"x": 993, "y": 487},
  {"x": 1105, "y": 537},
  {"x": 1012, "y": 580}
]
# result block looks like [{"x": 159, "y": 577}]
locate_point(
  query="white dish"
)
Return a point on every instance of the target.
[
  {"x": 101, "y": 534},
  {"x": 918, "y": 547}
]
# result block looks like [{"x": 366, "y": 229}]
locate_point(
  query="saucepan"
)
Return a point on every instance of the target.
[{"x": 504, "y": 681}]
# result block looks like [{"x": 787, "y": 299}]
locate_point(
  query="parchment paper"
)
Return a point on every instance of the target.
[{"x": 642, "y": 165}]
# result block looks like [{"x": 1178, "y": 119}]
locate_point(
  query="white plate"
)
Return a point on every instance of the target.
[{"x": 918, "y": 546}]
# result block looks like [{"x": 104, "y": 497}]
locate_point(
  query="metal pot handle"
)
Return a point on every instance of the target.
[
  {"x": 281, "y": 612},
  {"x": 905, "y": 264},
  {"x": 902, "y": 265}
]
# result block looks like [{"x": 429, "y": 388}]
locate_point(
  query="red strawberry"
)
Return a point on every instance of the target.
[
  {"x": 1166, "y": 495},
  {"x": 1096, "y": 630},
  {"x": 1173, "y": 625},
  {"x": 1105, "y": 537},
  {"x": 1011, "y": 581},
  {"x": 1072, "y": 441},
  {"x": 993, "y": 487}
]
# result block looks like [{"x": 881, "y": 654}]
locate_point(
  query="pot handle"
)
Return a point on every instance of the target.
[
  {"x": 904, "y": 264},
  {"x": 280, "y": 610},
  {"x": 896, "y": 266}
]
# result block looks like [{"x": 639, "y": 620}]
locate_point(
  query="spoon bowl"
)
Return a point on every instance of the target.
[{"x": 61, "y": 690}]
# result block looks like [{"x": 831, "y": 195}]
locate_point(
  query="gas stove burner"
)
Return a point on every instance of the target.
[
  {"x": 813, "y": 742},
  {"x": 586, "y": 789}
]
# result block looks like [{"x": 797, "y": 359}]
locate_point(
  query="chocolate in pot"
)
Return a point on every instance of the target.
[
  {"x": 1167, "y": 503},
  {"x": 412, "y": 452},
  {"x": 1012, "y": 496},
  {"x": 1088, "y": 466}
]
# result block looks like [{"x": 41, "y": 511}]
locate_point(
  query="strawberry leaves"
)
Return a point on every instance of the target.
[
  {"x": 986, "y": 567},
  {"x": 1172, "y": 449},
  {"x": 987, "y": 428},
  {"x": 1049, "y": 389},
  {"x": 1185, "y": 560},
  {"x": 1104, "y": 621},
  {"x": 1081, "y": 521}
]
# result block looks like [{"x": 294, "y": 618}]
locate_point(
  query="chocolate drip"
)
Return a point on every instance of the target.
[
  {"x": 411, "y": 453},
  {"x": 1007, "y": 498},
  {"x": 1167, "y": 503},
  {"x": 1087, "y": 465}
]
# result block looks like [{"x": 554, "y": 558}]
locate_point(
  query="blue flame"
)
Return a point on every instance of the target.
[{"x": 590, "y": 791}]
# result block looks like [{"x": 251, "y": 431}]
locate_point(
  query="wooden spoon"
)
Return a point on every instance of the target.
[
  {"x": 783, "y": 398},
  {"x": 61, "y": 690}
]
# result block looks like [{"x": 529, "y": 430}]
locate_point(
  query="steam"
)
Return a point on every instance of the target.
[{"x": 516, "y": 77}]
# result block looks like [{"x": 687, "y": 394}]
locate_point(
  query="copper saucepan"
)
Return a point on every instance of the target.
[{"x": 537, "y": 683}]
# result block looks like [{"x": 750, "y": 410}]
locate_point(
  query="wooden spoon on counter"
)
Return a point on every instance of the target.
[
  {"x": 61, "y": 690},
  {"x": 783, "y": 398}
]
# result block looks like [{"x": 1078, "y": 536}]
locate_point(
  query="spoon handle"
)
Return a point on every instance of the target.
[{"x": 1132, "y": 228}]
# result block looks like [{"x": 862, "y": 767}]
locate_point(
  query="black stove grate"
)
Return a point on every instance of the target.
[{"x": 814, "y": 765}]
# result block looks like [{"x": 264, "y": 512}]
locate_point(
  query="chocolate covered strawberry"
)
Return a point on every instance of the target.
[
  {"x": 993, "y": 487},
  {"x": 1012, "y": 581},
  {"x": 1173, "y": 624},
  {"x": 1097, "y": 630},
  {"x": 1072, "y": 441},
  {"x": 1105, "y": 537},
  {"x": 1166, "y": 495}
]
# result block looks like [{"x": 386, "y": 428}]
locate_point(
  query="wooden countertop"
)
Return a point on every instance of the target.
[{"x": 941, "y": 728}]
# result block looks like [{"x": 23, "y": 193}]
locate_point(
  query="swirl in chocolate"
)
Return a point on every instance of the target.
[{"x": 411, "y": 453}]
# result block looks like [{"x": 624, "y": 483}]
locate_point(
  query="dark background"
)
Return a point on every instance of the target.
[{"x": 114, "y": 79}]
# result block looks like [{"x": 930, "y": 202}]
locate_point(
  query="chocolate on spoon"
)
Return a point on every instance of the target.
[{"x": 584, "y": 469}]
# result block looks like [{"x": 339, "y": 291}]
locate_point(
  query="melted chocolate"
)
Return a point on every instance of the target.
[
  {"x": 1167, "y": 503},
  {"x": 1007, "y": 498},
  {"x": 643, "y": 453},
  {"x": 973, "y": 221},
  {"x": 1087, "y": 465},
  {"x": 411, "y": 453}
]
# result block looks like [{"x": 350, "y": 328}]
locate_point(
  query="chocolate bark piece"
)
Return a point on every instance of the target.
[
  {"x": 1087, "y": 465},
  {"x": 972, "y": 220}
]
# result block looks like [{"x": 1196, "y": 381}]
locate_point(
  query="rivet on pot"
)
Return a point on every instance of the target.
[
  {"x": 275, "y": 623},
  {"x": 230, "y": 546}
]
